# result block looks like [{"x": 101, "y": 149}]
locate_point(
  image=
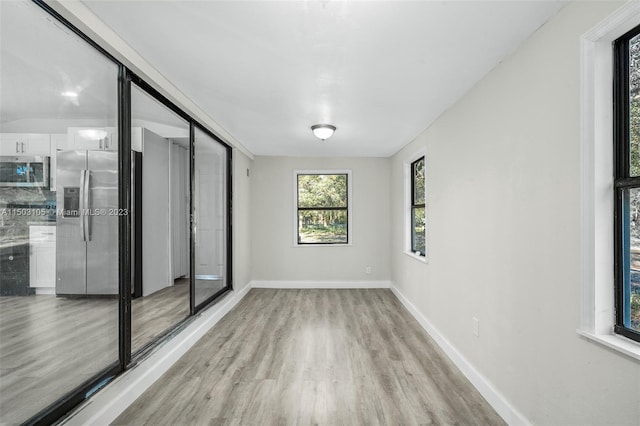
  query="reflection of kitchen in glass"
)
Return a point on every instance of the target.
[
  {"x": 53, "y": 86},
  {"x": 39, "y": 257},
  {"x": 87, "y": 234},
  {"x": 27, "y": 211},
  {"x": 45, "y": 268}
]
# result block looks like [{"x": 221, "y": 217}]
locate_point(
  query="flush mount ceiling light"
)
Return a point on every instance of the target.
[
  {"x": 69, "y": 94},
  {"x": 92, "y": 134},
  {"x": 323, "y": 131}
]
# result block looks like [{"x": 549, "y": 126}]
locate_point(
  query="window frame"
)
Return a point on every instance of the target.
[
  {"x": 407, "y": 203},
  {"x": 348, "y": 209},
  {"x": 623, "y": 181},
  {"x": 597, "y": 306},
  {"x": 415, "y": 206}
]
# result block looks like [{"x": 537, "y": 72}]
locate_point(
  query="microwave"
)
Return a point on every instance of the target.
[{"x": 24, "y": 172}]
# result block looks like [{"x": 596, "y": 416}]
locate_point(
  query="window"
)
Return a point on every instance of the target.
[
  {"x": 322, "y": 207},
  {"x": 627, "y": 183},
  {"x": 414, "y": 205},
  {"x": 418, "y": 218},
  {"x": 598, "y": 305}
]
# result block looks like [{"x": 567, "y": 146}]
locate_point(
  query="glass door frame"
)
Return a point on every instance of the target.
[
  {"x": 228, "y": 194},
  {"x": 61, "y": 407},
  {"x": 131, "y": 77}
]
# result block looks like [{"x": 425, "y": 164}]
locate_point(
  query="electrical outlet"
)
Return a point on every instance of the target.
[
  {"x": 475, "y": 326},
  {"x": 367, "y": 270}
]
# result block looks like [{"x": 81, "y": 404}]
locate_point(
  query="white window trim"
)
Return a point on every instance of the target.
[
  {"x": 407, "y": 205},
  {"x": 349, "y": 206},
  {"x": 596, "y": 145}
]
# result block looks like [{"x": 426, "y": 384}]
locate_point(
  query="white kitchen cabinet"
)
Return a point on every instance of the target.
[
  {"x": 93, "y": 138},
  {"x": 38, "y": 144},
  {"x": 25, "y": 144},
  {"x": 42, "y": 258}
]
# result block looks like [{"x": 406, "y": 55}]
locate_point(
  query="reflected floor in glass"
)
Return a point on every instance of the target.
[
  {"x": 207, "y": 287},
  {"x": 154, "y": 314},
  {"x": 50, "y": 345}
]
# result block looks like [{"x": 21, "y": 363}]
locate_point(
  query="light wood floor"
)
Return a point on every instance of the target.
[
  {"x": 49, "y": 345},
  {"x": 335, "y": 357}
]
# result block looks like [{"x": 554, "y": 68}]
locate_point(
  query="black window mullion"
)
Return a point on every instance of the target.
[
  {"x": 628, "y": 182},
  {"x": 322, "y": 208},
  {"x": 192, "y": 212},
  {"x": 346, "y": 211},
  {"x": 124, "y": 221},
  {"x": 298, "y": 209}
]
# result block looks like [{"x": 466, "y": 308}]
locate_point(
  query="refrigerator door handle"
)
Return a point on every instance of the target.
[
  {"x": 87, "y": 213},
  {"x": 83, "y": 177}
]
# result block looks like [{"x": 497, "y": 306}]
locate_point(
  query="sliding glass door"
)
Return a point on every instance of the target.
[
  {"x": 59, "y": 213},
  {"x": 114, "y": 216}
]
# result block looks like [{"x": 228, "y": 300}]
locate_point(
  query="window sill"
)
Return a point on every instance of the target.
[
  {"x": 412, "y": 255},
  {"x": 322, "y": 245},
  {"x": 618, "y": 343}
]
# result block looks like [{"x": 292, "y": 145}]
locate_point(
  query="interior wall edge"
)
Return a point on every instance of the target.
[
  {"x": 106, "y": 405},
  {"x": 499, "y": 403},
  {"x": 86, "y": 21},
  {"x": 303, "y": 284},
  {"x": 241, "y": 220}
]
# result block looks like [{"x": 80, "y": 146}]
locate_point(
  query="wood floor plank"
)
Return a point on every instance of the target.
[{"x": 298, "y": 357}]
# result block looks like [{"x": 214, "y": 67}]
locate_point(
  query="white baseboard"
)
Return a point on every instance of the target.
[
  {"x": 320, "y": 284},
  {"x": 106, "y": 405},
  {"x": 486, "y": 389}
]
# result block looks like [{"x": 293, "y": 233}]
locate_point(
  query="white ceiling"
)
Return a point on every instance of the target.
[{"x": 379, "y": 71}]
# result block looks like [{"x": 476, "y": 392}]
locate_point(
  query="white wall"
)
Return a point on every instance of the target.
[
  {"x": 275, "y": 258},
  {"x": 503, "y": 188},
  {"x": 241, "y": 220},
  {"x": 156, "y": 218}
]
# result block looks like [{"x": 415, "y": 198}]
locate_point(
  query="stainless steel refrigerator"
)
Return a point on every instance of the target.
[{"x": 87, "y": 223}]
